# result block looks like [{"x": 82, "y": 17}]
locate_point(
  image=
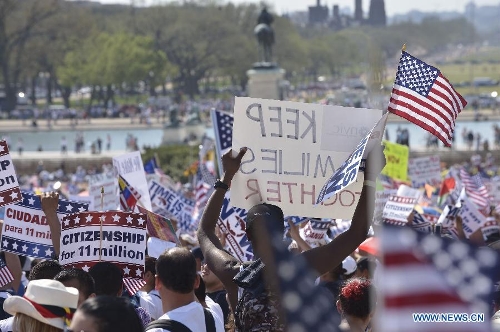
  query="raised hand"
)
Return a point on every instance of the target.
[{"x": 231, "y": 163}]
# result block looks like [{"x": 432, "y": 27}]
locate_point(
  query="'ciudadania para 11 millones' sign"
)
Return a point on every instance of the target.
[
  {"x": 294, "y": 148},
  {"x": 9, "y": 187}
]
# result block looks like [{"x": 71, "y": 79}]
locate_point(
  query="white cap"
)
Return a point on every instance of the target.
[{"x": 349, "y": 264}]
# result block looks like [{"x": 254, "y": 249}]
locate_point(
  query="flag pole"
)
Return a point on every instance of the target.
[
  {"x": 100, "y": 219},
  {"x": 403, "y": 48}
]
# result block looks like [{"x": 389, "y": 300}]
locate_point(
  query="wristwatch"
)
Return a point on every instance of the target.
[{"x": 220, "y": 184}]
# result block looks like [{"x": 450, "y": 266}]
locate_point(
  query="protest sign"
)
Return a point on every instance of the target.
[
  {"x": 293, "y": 148},
  {"x": 112, "y": 236},
  {"x": 232, "y": 225},
  {"x": 130, "y": 167},
  {"x": 381, "y": 198},
  {"x": 168, "y": 203},
  {"x": 109, "y": 182},
  {"x": 490, "y": 229},
  {"x": 425, "y": 170},
  {"x": 9, "y": 187},
  {"x": 314, "y": 232},
  {"x": 398, "y": 209},
  {"x": 407, "y": 191},
  {"x": 348, "y": 172},
  {"x": 25, "y": 228},
  {"x": 472, "y": 219},
  {"x": 447, "y": 217},
  {"x": 396, "y": 156}
]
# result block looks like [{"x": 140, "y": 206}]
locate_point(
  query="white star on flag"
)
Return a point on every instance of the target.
[
  {"x": 65, "y": 221},
  {"x": 140, "y": 221},
  {"x": 36, "y": 250},
  {"x": 24, "y": 247},
  {"x": 31, "y": 201},
  {"x": 102, "y": 218},
  {"x": 81, "y": 209},
  {"x": 77, "y": 220},
  {"x": 138, "y": 272},
  {"x": 129, "y": 219},
  {"x": 116, "y": 218},
  {"x": 48, "y": 252},
  {"x": 86, "y": 268},
  {"x": 13, "y": 195},
  {"x": 15, "y": 245},
  {"x": 69, "y": 207},
  {"x": 2, "y": 148},
  {"x": 1, "y": 199},
  {"x": 5, "y": 243},
  {"x": 88, "y": 218},
  {"x": 126, "y": 270}
]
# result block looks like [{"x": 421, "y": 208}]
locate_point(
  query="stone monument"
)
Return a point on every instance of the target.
[{"x": 266, "y": 77}]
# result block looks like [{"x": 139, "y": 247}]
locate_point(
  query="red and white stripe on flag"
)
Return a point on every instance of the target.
[
  {"x": 423, "y": 96},
  {"x": 5, "y": 275},
  {"x": 133, "y": 285}
]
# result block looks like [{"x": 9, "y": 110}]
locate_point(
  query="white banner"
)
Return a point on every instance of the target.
[
  {"x": 398, "y": 209},
  {"x": 9, "y": 187},
  {"x": 472, "y": 219},
  {"x": 490, "y": 228},
  {"x": 293, "y": 149},
  {"x": 130, "y": 167},
  {"x": 381, "y": 198},
  {"x": 111, "y": 200},
  {"x": 425, "y": 170}
]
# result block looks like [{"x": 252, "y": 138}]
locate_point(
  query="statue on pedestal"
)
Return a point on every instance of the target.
[{"x": 265, "y": 35}]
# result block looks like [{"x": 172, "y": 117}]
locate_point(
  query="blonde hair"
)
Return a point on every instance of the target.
[{"x": 25, "y": 323}]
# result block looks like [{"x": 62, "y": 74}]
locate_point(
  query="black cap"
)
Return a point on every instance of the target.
[{"x": 196, "y": 251}]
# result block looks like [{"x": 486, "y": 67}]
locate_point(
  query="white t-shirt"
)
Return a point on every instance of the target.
[
  {"x": 6, "y": 324},
  {"x": 152, "y": 303},
  {"x": 193, "y": 317}
]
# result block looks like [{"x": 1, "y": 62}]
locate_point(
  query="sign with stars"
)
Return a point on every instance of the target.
[
  {"x": 25, "y": 229},
  {"x": 9, "y": 187},
  {"x": 113, "y": 236}
]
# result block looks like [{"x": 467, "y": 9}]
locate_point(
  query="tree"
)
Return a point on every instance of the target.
[{"x": 19, "y": 21}]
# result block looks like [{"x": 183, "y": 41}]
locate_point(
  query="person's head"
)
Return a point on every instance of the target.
[
  {"x": 150, "y": 272},
  {"x": 78, "y": 279},
  {"x": 357, "y": 299},
  {"x": 108, "y": 279},
  {"x": 106, "y": 314},
  {"x": 198, "y": 255},
  {"x": 210, "y": 279},
  {"x": 176, "y": 271},
  {"x": 46, "y": 269},
  {"x": 366, "y": 268},
  {"x": 258, "y": 215},
  {"x": 46, "y": 306}
]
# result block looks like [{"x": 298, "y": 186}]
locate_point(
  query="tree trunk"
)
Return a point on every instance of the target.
[
  {"x": 49, "y": 89},
  {"x": 33, "y": 90},
  {"x": 191, "y": 86},
  {"x": 10, "y": 98},
  {"x": 66, "y": 93}
]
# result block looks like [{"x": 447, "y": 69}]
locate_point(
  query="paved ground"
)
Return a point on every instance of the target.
[{"x": 125, "y": 123}]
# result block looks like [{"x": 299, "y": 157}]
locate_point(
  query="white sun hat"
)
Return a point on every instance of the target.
[{"x": 47, "y": 301}]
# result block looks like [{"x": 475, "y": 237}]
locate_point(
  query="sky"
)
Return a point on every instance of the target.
[{"x": 391, "y": 6}]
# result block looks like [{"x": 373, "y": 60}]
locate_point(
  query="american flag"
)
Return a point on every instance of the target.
[
  {"x": 223, "y": 130},
  {"x": 205, "y": 174},
  {"x": 5, "y": 275},
  {"x": 424, "y": 273},
  {"x": 128, "y": 195},
  {"x": 475, "y": 189},
  {"x": 423, "y": 96},
  {"x": 133, "y": 285}
]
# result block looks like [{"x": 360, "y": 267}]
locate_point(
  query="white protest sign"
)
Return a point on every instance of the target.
[
  {"x": 448, "y": 215},
  {"x": 490, "y": 228},
  {"x": 9, "y": 187},
  {"x": 25, "y": 228},
  {"x": 111, "y": 199},
  {"x": 348, "y": 172},
  {"x": 232, "y": 224},
  {"x": 425, "y": 170},
  {"x": 407, "y": 191},
  {"x": 122, "y": 241},
  {"x": 398, "y": 209},
  {"x": 293, "y": 149},
  {"x": 168, "y": 203},
  {"x": 130, "y": 167},
  {"x": 381, "y": 198},
  {"x": 472, "y": 219}
]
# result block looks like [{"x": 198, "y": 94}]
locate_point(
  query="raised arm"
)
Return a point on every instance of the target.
[
  {"x": 325, "y": 258},
  {"x": 50, "y": 201},
  {"x": 221, "y": 263}
]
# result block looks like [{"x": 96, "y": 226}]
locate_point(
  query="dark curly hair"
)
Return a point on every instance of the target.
[{"x": 357, "y": 298}]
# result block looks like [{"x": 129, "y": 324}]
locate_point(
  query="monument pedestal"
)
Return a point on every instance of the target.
[{"x": 265, "y": 81}]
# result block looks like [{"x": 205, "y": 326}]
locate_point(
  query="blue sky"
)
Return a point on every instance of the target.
[{"x": 392, "y": 6}]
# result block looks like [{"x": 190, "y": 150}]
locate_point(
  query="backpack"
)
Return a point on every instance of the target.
[{"x": 175, "y": 326}]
